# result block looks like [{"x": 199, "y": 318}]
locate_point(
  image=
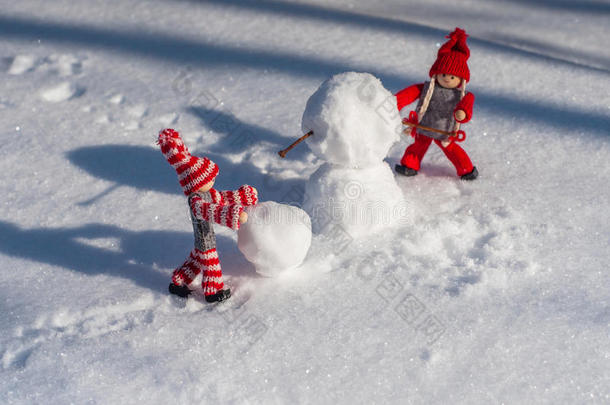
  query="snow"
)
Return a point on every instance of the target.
[
  {"x": 354, "y": 120},
  {"x": 360, "y": 201},
  {"x": 276, "y": 237},
  {"x": 494, "y": 291},
  {"x": 61, "y": 92},
  {"x": 22, "y": 64}
]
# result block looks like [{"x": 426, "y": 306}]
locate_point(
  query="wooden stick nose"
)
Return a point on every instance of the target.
[{"x": 283, "y": 152}]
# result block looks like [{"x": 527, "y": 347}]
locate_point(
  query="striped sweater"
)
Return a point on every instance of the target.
[{"x": 220, "y": 207}]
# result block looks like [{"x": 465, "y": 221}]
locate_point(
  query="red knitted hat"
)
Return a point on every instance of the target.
[
  {"x": 453, "y": 56},
  {"x": 193, "y": 172}
]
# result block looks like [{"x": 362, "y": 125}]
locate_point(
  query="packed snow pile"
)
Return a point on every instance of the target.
[
  {"x": 275, "y": 238},
  {"x": 355, "y": 122},
  {"x": 354, "y": 119}
]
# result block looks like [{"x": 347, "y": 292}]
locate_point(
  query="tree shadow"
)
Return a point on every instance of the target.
[
  {"x": 332, "y": 15},
  {"x": 554, "y": 50},
  {"x": 274, "y": 188},
  {"x": 575, "y": 119},
  {"x": 132, "y": 258},
  {"x": 328, "y": 15},
  {"x": 180, "y": 51},
  {"x": 146, "y": 169},
  {"x": 136, "y": 166},
  {"x": 167, "y": 48},
  {"x": 583, "y": 6},
  {"x": 67, "y": 247},
  {"x": 238, "y": 136}
]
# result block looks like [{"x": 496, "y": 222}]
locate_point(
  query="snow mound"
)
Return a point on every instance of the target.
[
  {"x": 60, "y": 92},
  {"x": 65, "y": 64},
  {"x": 362, "y": 201},
  {"x": 354, "y": 119},
  {"x": 117, "y": 99},
  {"x": 22, "y": 64},
  {"x": 275, "y": 238}
]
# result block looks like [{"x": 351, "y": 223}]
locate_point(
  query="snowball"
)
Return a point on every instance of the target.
[
  {"x": 22, "y": 64},
  {"x": 355, "y": 120},
  {"x": 275, "y": 238},
  {"x": 60, "y": 92},
  {"x": 360, "y": 201}
]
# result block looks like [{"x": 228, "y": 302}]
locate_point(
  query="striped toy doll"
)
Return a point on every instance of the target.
[{"x": 207, "y": 205}]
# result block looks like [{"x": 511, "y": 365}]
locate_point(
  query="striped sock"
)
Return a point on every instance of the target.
[
  {"x": 185, "y": 274},
  {"x": 212, "y": 273}
]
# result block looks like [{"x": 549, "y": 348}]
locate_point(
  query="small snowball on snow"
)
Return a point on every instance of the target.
[
  {"x": 168, "y": 119},
  {"x": 22, "y": 64},
  {"x": 137, "y": 111},
  {"x": 275, "y": 238},
  {"x": 61, "y": 92},
  {"x": 132, "y": 126},
  {"x": 67, "y": 64},
  {"x": 117, "y": 99},
  {"x": 354, "y": 118}
]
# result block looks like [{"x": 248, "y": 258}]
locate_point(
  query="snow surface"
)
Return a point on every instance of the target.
[
  {"x": 497, "y": 291},
  {"x": 276, "y": 237}
]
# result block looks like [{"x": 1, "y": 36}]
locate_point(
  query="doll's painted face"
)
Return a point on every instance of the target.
[
  {"x": 448, "y": 81},
  {"x": 206, "y": 187}
]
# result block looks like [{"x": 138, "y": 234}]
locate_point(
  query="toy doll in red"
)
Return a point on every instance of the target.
[{"x": 443, "y": 105}]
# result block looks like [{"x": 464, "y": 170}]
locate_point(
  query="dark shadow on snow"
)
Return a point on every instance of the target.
[
  {"x": 579, "y": 6},
  {"x": 546, "y": 48},
  {"x": 180, "y": 51},
  {"x": 407, "y": 29},
  {"x": 238, "y": 136},
  {"x": 167, "y": 48},
  {"x": 135, "y": 166},
  {"x": 146, "y": 169},
  {"x": 525, "y": 110},
  {"x": 232, "y": 175},
  {"x": 132, "y": 259}
]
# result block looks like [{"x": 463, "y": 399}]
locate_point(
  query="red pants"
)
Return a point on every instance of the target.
[{"x": 416, "y": 151}]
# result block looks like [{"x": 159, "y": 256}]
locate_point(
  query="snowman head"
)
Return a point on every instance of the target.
[{"x": 354, "y": 118}]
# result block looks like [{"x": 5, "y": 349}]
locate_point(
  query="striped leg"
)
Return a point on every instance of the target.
[
  {"x": 185, "y": 274},
  {"x": 212, "y": 273}
]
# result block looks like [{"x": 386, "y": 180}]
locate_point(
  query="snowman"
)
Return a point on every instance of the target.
[{"x": 355, "y": 121}]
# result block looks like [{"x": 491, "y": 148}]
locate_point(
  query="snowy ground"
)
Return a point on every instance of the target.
[{"x": 497, "y": 291}]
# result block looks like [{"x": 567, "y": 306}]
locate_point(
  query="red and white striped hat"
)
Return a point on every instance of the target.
[{"x": 193, "y": 172}]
